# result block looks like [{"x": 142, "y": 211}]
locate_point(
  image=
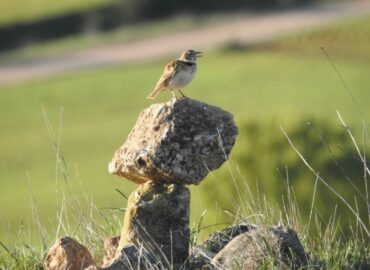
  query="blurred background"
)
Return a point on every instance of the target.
[{"x": 74, "y": 75}]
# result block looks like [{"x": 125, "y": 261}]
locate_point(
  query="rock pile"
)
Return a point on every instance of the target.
[{"x": 174, "y": 144}]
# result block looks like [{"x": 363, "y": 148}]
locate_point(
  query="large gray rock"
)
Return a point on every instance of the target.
[
  {"x": 157, "y": 220},
  {"x": 278, "y": 247},
  {"x": 179, "y": 141}
]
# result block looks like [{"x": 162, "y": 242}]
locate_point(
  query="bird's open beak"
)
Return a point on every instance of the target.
[{"x": 198, "y": 54}]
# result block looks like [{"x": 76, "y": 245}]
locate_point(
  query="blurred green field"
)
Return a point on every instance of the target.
[
  {"x": 25, "y": 10},
  {"x": 271, "y": 81}
]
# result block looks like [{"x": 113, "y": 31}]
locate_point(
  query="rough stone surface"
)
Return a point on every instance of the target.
[
  {"x": 179, "y": 141},
  {"x": 110, "y": 248},
  {"x": 157, "y": 219},
  {"x": 220, "y": 239},
  {"x": 276, "y": 246},
  {"x": 68, "y": 254},
  {"x": 132, "y": 257},
  {"x": 201, "y": 256}
]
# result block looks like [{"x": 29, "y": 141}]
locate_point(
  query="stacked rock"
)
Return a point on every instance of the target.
[
  {"x": 178, "y": 142},
  {"x": 172, "y": 144}
]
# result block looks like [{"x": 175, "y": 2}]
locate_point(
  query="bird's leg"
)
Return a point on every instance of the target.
[
  {"x": 173, "y": 93},
  {"x": 182, "y": 94}
]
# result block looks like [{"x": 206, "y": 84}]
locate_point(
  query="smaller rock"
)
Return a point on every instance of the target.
[
  {"x": 275, "y": 247},
  {"x": 68, "y": 254},
  {"x": 110, "y": 247},
  {"x": 201, "y": 256}
]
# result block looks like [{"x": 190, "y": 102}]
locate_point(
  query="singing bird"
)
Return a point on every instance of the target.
[{"x": 177, "y": 74}]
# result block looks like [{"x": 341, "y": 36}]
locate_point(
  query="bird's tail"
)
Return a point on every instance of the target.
[{"x": 154, "y": 93}]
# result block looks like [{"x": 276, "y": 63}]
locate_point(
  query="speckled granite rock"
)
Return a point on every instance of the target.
[{"x": 179, "y": 141}]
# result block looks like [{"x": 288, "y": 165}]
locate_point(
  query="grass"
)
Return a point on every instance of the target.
[
  {"x": 29, "y": 10},
  {"x": 100, "y": 107}
]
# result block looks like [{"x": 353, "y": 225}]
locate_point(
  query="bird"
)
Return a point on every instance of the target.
[{"x": 177, "y": 74}]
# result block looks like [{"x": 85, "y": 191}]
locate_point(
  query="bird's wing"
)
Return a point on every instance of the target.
[{"x": 169, "y": 71}]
